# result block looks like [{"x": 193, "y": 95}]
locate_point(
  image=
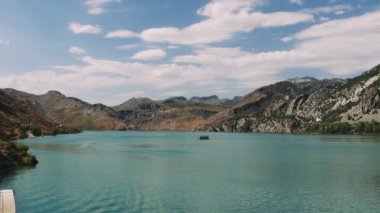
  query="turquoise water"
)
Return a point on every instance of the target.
[{"x": 176, "y": 172}]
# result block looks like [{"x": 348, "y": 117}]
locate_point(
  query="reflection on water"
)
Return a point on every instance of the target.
[
  {"x": 351, "y": 138},
  {"x": 175, "y": 172},
  {"x": 67, "y": 148}
]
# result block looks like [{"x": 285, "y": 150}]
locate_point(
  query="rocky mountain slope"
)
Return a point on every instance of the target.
[
  {"x": 71, "y": 111},
  {"x": 18, "y": 117},
  {"x": 176, "y": 113},
  {"x": 289, "y": 106}
]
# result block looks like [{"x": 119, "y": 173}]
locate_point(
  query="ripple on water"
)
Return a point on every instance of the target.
[{"x": 174, "y": 172}]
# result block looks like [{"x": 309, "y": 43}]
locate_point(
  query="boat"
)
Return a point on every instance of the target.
[{"x": 204, "y": 137}]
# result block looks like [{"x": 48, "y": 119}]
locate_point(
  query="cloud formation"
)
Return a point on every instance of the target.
[
  {"x": 95, "y": 7},
  {"x": 128, "y": 46},
  {"x": 152, "y": 54},
  {"x": 76, "y": 50},
  {"x": 78, "y": 28},
  {"x": 339, "y": 47},
  {"x": 336, "y": 9},
  {"x": 6, "y": 42},
  {"x": 224, "y": 18},
  {"x": 299, "y": 2},
  {"x": 121, "y": 34}
]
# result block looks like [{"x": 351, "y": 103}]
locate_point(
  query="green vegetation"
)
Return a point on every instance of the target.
[
  {"x": 334, "y": 115},
  {"x": 12, "y": 156},
  {"x": 372, "y": 127},
  {"x": 361, "y": 78},
  {"x": 34, "y": 129}
]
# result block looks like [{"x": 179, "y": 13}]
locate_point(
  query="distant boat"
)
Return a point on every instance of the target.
[{"x": 204, "y": 137}]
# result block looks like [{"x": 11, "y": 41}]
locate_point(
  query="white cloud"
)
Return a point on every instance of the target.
[
  {"x": 224, "y": 18},
  {"x": 323, "y": 19},
  {"x": 220, "y": 29},
  {"x": 78, "y": 28},
  {"x": 287, "y": 39},
  {"x": 172, "y": 47},
  {"x": 128, "y": 47},
  {"x": 299, "y": 2},
  {"x": 95, "y": 7},
  {"x": 94, "y": 76},
  {"x": 355, "y": 26},
  {"x": 6, "y": 42},
  {"x": 153, "y": 54},
  {"x": 336, "y": 9},
  {"x": 340, "y": 47},
  {"x": 121, "y": 34},
  {"x": 76, "y": 50}
]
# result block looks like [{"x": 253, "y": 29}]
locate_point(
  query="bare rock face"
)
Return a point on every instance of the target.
[{"x": 290, "y": 105}]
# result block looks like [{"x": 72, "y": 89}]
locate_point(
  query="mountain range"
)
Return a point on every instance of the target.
[{"x": 286, "y": 107}]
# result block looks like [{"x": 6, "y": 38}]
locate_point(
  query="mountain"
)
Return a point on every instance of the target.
[
  {"x": 287, "y": 106},
  {"x": 18, "y": 117},
  {"x": 175, "y": 113},
  {"x": 290, "y": 106},
  {"x": 70, "y": 111}
]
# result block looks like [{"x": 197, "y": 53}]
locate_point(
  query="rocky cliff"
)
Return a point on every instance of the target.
[{"x": 289, "y": 106}]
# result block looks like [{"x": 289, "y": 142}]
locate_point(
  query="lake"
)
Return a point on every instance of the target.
[{"x": 175, "y": 172}]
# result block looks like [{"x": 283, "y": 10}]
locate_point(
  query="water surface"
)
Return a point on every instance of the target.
[{"x": 176, "y": 172}]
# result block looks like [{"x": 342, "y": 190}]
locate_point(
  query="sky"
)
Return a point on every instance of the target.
[{"x": 107, "y": 51}]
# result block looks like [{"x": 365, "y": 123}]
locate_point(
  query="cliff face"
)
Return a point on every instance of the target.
[
  {"x": 290, "y": 105},
  {"x": 71, "y": 111}
]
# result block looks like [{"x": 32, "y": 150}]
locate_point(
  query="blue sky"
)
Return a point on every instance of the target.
[{"x": 111, "y": 50}]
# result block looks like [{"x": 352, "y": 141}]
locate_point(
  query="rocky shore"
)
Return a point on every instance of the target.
[{"x": 14, "y": 156}]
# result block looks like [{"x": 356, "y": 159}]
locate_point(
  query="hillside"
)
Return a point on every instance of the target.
[
  {"x": 18, "y": 117},
  {"x": 71, "y": 111},
  {"x": 286, "y": 106},
  {"x": 289, "y": 106},
  {"x": 175, "y": 113}
]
